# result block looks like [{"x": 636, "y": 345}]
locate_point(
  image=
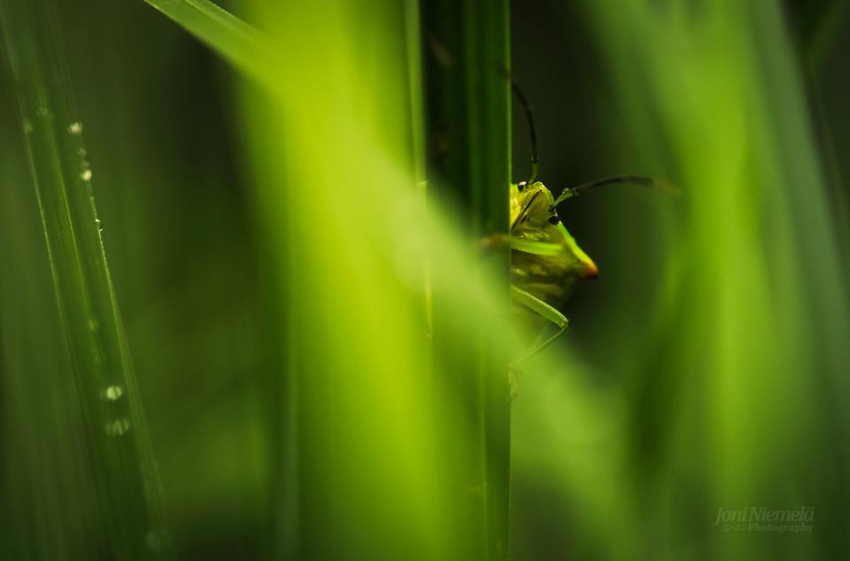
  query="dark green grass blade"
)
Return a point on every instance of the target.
[
  {"x": 128, "y": 520},
  {"x": 467, "y": 126}
]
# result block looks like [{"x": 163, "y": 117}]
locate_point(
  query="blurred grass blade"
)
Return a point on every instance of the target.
[
  {"x": 379, "y": 413},
  {"x": 333, "y": 159},
  {"x": 129, "y": 521},
  {"x": 354, "y": 139},
  {"x": 467, "y": 132}
]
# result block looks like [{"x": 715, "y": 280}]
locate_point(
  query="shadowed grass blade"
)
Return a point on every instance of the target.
[
  {"x": 128, "y": 523},
  {"x": 467, "y": 134}
]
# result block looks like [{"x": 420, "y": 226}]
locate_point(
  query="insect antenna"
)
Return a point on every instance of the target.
[
  {"x": 529, "y": 117},
  {"x": 652, "y": 182}
]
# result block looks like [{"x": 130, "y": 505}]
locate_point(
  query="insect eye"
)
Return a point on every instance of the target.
[
  {"x": 521, "y": 185},
  {"x": 553, "y": 220}
]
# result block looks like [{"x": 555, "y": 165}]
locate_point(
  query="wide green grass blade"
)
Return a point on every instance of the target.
[
  {"x": 128, "y": 520},
  {"x": 333, "y": 151},
  {"x": 337, "y": 162}
]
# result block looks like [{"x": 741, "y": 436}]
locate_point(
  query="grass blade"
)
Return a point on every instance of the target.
[
  {"x": 331, "y": 136},
  {"x": 468, "y": 131},
  {"x": 128, "y": 523},
  {"x": 236, "y": 41}
]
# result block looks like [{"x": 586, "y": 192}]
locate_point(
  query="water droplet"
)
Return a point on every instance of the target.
[
  {"x": 75, "y": 128},
  {"x": 154, "y": 540},
  {"x": 97, "y": 220},
  {"x": 112, "y": 393},
  {"x": 118, "y": 427},
  {"x": 81, "y": 152},
  {"x": 86, "y": 175}
]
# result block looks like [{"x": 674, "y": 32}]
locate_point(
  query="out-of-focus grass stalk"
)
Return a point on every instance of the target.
[
  {"x": 467, "y": 125},
  {"x": 336, "y": 143},
  {"x": 128, "y": 523},
  {"x": 747, "y": 346},
  {"x": 332, "y": 146}
]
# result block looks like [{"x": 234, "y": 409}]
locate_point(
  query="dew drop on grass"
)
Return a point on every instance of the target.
[
  {"x": 113, "y": 393},
  {"x": 86, "y": 175},
  {"x": 155, "y": 540},
  {"x": 118, "y": 427},
  {"x": 75, "y": 128}
]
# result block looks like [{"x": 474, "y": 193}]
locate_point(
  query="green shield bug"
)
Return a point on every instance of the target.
[{"x": 546, "y": 261}]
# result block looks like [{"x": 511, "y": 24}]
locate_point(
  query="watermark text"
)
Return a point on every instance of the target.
[{"x": 764, "y": 519}]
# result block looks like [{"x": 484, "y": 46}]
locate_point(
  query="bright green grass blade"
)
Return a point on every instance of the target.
[
  {"x": 128, "y": 520},
  {"x": 337, "y": 162},
  {"x": 383, "y": 417},
  {"x": 239, "y": 43}
]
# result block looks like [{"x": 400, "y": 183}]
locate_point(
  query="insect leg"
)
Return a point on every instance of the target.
[
  {"x": 519, "y": 244},
  {"x": 546, "y": 311},
  {"x": 536, "y": 248}
]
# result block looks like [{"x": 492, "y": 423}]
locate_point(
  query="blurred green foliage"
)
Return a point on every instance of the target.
[{"x": 265, "y": 237}]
